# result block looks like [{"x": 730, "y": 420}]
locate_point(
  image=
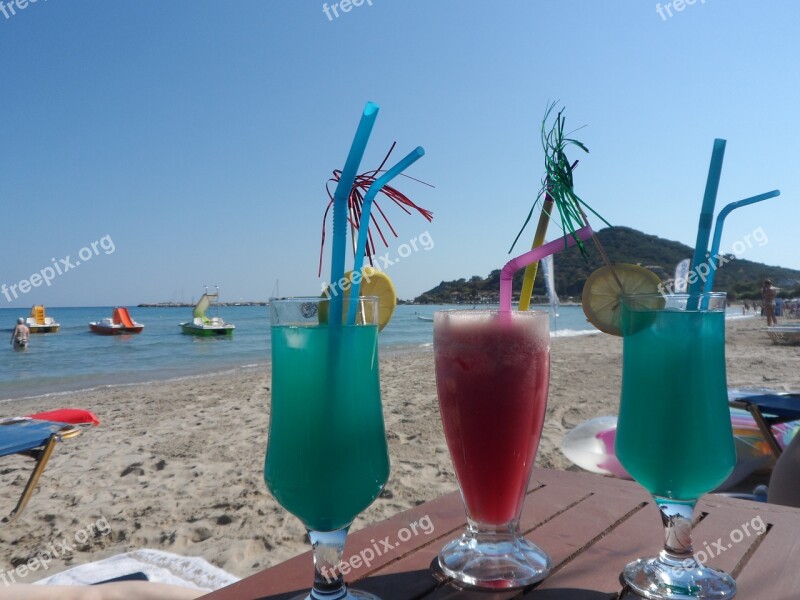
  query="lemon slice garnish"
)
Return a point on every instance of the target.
[
  {"x": 602, "y": 296},
  {"x": 377, "y": 283},
  {"x": 373, "y": 283}
]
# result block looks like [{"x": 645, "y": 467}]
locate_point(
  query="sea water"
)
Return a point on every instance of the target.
[{"x": 75, "y": 359}]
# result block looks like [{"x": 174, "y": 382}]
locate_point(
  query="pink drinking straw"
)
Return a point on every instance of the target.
[{"x": 523, "y": 260}]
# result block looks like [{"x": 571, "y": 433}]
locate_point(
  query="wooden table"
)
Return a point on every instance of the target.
[{"x": 590, "y": 525}]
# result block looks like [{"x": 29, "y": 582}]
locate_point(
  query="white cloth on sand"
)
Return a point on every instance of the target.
[{"x": 160, "y": 567}]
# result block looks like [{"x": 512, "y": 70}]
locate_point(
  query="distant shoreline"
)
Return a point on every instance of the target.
[{"x": 188, "y": 305}]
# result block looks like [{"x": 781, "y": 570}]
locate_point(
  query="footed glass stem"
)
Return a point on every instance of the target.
[
  {"x": 328, "y": 547},
  {"x": 675, "y": 574},
  {"x": 494, "y": 557}
]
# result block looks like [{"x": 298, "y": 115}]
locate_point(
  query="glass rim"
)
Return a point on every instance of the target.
[
  {"x": 483, "y": 311},
  {"x": 305, "y": 311},
  {"x": 487, "y": 310},
  {"x": 704, "y": 302},
  {"x": 679, "y": 295},
  {"x": 290, "y": 299}
]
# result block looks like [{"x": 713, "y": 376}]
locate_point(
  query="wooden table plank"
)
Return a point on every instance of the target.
[
  {"x": 446, "y": 514},
  {"x": 728, "y": 534},
  {"x": 541, "y": 505},
  {"x": 294, "y": 575},
  {"x": 598, "y": 566},
  {"x": 590, "y": 525},
  {"x": 772, "y": 570},
  {"x": 562, "y": 524}
]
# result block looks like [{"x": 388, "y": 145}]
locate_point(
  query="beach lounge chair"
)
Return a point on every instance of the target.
[
  {"x": 37, "y": 440},
  {"x": 769, "y": 410},
  {"x": 784, "y": 334}
]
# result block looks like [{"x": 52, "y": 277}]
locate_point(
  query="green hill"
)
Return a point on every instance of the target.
[{"x": 742, "y": 279}]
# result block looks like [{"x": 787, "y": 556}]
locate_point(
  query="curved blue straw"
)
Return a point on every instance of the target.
[
  {"x": 718, "y": 231},
  {"x": 363, "y": 229},
  {"x": 340, "y": 196},
  {"x": 706, "y": 217}
]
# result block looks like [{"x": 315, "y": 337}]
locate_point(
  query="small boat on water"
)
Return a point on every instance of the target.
[
  {"x": 119, "y": 323},
  {"x": 423, "y": 318},
  {"x": 39, "y": 322},
  {"x": 204, "y": 326}
]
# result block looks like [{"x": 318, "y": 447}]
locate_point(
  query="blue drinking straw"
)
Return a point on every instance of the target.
[
  {"x": 706, "y": 217},
  {"x": 363, "y": 229},
  {"x": 340, "y": 196},
  {"x": 718, "y": 232}
]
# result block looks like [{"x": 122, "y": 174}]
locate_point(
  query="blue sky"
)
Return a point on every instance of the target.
[{"x": 198, "y": 135}]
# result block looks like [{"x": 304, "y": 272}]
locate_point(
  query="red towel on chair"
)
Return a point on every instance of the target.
[{"x": 74, "y": 416}]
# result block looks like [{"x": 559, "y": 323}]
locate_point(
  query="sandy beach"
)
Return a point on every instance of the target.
[{"x": 177, "y": 465}]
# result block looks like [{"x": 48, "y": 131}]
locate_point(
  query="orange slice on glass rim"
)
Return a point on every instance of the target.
[{"x": 602, "y": 295}]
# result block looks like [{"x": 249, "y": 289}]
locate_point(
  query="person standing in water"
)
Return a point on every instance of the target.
[{"x": 19, "y": 337}]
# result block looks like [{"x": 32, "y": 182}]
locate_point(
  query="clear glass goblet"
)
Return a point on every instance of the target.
[
  {"x": 674, "y": 432},
  {"x": 327, "y": 458},
  {"x": 492, "y": 374}
]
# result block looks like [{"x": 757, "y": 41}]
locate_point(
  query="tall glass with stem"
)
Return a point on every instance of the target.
[
  {"x": 674, "y": 431},
  {"x": 492, "y": 374},
  {"x": 327, "y": 458}
]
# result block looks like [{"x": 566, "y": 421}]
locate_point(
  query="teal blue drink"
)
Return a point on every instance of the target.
[
  {"x": 674, "y": 432},
  {"x": 327, "y": 458}
]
